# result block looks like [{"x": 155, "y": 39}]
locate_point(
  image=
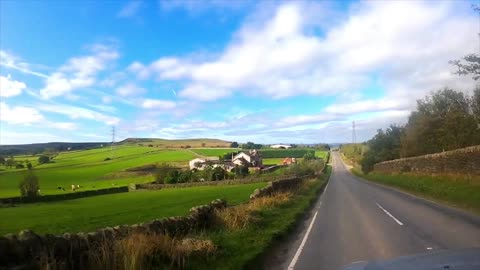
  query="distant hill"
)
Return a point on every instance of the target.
[
  {"x": 37, "y": 148},
  {"x": 182, "y": 143}
]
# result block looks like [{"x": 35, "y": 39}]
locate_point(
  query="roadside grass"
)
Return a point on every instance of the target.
[
  {"x": 241, "y": 246},
  {"x": 214, "y": 152},
  {"x": 86, "y": 168},
  {"x": 88, "y": 214},
  {"x": 321, "y": 154},
  {"x": 458, "y": 191}
]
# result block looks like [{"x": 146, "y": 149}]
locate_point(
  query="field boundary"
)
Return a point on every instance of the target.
[
  {"x": 62, "y": 197},
  {"x": 23, "y": 248}
]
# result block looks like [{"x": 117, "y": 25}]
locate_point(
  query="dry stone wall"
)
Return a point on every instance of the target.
[
  {"x": 25, "y": 249},
  {"x": 465, "y": 161},
  {"x": 277, "y": 186}
]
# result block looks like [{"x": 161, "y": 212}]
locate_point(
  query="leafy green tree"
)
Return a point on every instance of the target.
[
  {"x": 2, "y": 160},
  {"x": 310, "y": 155},
  {"x": 29, "y": 186},
  {"x": 184, "y": 177},
  {"x": 43, "y": 159},
  {"x": 385, "y": 145},
  {"x": 10, "y": 162},
  {"x": 241, "y": 171},
  {"x": 218, "y": 173},
  {"x": 162, "y": 171},
  {"x": 234, "y": 145},
  {"x": 443, "y": 121},
  {"x": 171, "y": 177},
  {"x": 29, "y": 166}
]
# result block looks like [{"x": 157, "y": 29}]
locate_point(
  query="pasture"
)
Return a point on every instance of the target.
[
  {"x": 88, "y": 214},
  {"x": 214, "y": 152},
  {"x": 91, "y": 170}
]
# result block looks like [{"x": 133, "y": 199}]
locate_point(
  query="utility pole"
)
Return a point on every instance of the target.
[{"x": 112, "y": 147}]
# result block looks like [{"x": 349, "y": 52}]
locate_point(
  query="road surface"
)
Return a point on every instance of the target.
[{"x": 355, "y": 220}]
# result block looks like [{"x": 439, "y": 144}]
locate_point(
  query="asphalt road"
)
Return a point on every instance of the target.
[{"x": 355, "y": 220}]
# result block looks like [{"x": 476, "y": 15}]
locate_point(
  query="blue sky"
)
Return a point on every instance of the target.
[{"x": 268, "y": 71}]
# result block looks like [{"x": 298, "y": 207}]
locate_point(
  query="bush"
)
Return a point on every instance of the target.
[
  {"x": 29, "y": 186},
  {"x": 241, "y": 171},
  {"x": 43, "y": 159},
  {"x": 310, "y": 155},
  {"x": 19, "y": 166},
  {"x": 162, "y": 172},
  {"x": 367, "y": 163},
  {"x": 107, "y": 159},
  {"x": 171, "y": 177},
  {"x": 218, "y": 174}
]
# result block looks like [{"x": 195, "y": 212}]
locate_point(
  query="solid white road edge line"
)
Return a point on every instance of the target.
[
  {"x": 390, "y": 215},
  {"x": 300, "y": 248}
]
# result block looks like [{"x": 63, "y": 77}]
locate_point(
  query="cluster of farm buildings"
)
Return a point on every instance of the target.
[{"x": 252, "y": 158}]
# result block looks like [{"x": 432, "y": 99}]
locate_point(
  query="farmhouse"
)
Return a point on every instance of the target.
[
  {"x": 201, "y": 163},
  {"x": 288, "y": 161},
  {"x": 280, "y": 146},
  {"x": 250, "y": 159}
]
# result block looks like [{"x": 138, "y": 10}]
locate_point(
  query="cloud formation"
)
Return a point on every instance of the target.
[
  {"x": 10, "y": 87},
  {"x": 282, "y": 56},
  {"x": 78, "y": 72}
]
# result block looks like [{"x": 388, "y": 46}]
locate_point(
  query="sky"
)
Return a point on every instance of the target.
[{"x": 240, "y": 70}]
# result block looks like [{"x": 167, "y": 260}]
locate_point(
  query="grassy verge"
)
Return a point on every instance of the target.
[
  {"x": 90, "y": 213},
  {"x": 458, "y": 191},
  {"x": 242, "y": 248}
]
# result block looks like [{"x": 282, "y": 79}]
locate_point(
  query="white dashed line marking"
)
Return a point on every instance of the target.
[
  {"x": 390, "y": 215},
  {"x": 300, "y": 248}
]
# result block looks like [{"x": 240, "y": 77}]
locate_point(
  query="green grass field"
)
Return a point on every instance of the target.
[
  {"x": 273, "y": 161},
  {"x": 214, "y": 152},
  {"x": 90, "y": 213},
  {"x": 321, "y": 154},
  {"x": 89, "y": 169}
]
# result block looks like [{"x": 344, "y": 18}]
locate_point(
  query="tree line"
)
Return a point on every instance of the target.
[{"x": 443, "y": 121}]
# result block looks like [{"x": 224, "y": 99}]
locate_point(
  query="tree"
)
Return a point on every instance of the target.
[
  {"x": 310, "y": 155},
  {"x": 10, "y": 162},
  {"x": 162, "y": 172},
  {"x": 218, "y": 173},
  {"x": 29, "y": 166},
  {"x": 184, "y": 177},
  {"x": 29, "y": 186},
  {"x": 385, "y": 145},
  {"x": 443, "y": 121},
  {"x": 251, "y": 145},
  {"x": 241, "y": 170},
  {"x": 171, "y": 177},
  {"x": 43, "y": 159},
  {"x": 2, "y": 160},
  {"x": 234, "y": 145},
  {"x": 470, "y": 64}
]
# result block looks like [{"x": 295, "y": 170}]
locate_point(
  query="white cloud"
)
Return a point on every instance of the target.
[
  {"x": 9, "y": 87},
  {"x": 62, "y": 125},
  {"x": 10, "y": 61},
  {"x": 79, "y": 113},
  {"x": 158, "y": 104},
  {"x": 130, "y": 89},
  {"x": 19, "y": 114},
  {"x": 130, "y": 9},
  {"x": 78, "y": 72},
  {"x": 281, "y": 57}
]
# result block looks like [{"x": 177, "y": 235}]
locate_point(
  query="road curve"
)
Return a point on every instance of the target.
[{"x": 355, "y": 220}]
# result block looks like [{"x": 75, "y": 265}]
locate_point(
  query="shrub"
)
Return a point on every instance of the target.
[
  {"x": 367, "y": 163},
  {"x": 171, "y": 177},
  {"x": 162, "y": 172},
  {"x": 218, "y": 173},
  {"x": 19, "y": 166},
  {"x": 241, "y": 171},
  {"x": 29, "y": 186},
  {"x": 107, "y": 159},
  {"x": 43, "y": 159}
]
